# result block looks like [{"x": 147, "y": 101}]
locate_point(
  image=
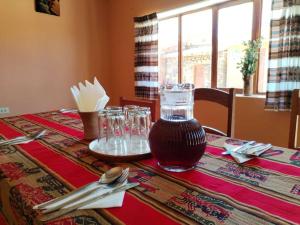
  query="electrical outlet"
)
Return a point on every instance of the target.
[{"x": 4, "y": 110}]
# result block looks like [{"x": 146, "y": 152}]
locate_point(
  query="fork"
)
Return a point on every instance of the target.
[
  {"x": 118, "y": 182},
  {"x": 23, "y": 139},
  {"x": 239, "y": 149}
]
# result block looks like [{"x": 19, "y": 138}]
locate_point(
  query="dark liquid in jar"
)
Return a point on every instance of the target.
[{"x": 177, "y": 144}]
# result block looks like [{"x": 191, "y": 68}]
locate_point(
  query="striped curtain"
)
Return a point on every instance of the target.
[
  {"x": 146, "y": 56},
  {"x": 284, "y": 56}
]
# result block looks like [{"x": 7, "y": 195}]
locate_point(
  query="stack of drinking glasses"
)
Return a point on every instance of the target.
[{"x": 124, "y": 131}]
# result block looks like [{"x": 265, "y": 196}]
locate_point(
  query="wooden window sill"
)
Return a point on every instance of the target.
[{"x": 261, "y": 96}]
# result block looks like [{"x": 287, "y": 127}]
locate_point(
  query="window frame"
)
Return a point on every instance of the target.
[{"x": 256, "y": 32}]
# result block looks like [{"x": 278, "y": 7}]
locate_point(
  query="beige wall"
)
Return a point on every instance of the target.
[
  {"x": 41, "y": 56},
  {"x": 252, "y": 122}
]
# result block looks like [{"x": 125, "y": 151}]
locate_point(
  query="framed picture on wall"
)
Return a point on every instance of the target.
[{"x": 51, "y": 7}]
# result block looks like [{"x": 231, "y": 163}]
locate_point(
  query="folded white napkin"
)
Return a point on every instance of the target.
[
  {"x": 241, "y": 158},
  {"x": 89, "y": 97},
  {"x": 249, "y": 152},
  {"x": 114, "y": 200}
]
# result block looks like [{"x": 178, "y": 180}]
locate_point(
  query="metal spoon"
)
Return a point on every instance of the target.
[
  {"x": 106, "y": 179},
  {"x": 110, "y": 175}
]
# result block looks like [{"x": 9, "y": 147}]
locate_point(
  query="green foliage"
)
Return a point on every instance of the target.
[{"x": 248, "y": 63}]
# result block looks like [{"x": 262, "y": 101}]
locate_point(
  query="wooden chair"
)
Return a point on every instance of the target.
[
  {"x": 295, "y": 112},
  {"x": 144, "y": 103},
  {"x": 222, "y": 98}
]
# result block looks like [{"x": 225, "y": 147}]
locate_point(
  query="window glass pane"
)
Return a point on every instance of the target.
[
  {"x": 196, "y": 48},
  {"x": 168, "y": 50},
  {"x": 264, "y": 51},
  {"x": 234, "y": 27}
]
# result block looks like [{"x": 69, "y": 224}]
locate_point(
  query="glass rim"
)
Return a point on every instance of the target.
[
  {"x": 102, "y": 112},
  {"x": 114, "y": 108},
  {"x": 138, "y": 113},
  {"x": 177, "y": 87},
  {"x": 115, "y": 113},
  {"x": 144, "y": 108},
  {"x": 131, "y": 106}
]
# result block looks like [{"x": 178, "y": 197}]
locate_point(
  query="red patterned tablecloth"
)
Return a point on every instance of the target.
[{"x": 265, "y": 190}]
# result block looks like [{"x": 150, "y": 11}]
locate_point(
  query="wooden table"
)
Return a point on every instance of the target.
[{"x": 265, "y": 190}]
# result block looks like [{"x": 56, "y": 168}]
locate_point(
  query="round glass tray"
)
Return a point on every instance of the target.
[{"x": 123, "y": 151}]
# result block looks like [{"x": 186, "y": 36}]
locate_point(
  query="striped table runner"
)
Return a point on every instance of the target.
[{"x": 265, "y": 190}]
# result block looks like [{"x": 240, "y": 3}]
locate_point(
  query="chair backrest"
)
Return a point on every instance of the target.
[
  {"x": 226, "y": 99},
  {"x": 144, "y": 103},
  {"x": 295, "y": 112}
]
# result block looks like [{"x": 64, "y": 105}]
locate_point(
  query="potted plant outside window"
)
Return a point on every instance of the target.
[{"x": 248, "y": 64}]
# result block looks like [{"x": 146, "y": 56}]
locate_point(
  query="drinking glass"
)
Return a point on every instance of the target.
[
  {"x": 124, "y": 131},
  {"x": 102, "y": 120},
  {"x": 139, "y": 128},
  {"x": 139, "y": 122},
  {"x": 147, "y": 111},
  {"x": 128, "y": 108},
  {"x": 115, "y": 129}
]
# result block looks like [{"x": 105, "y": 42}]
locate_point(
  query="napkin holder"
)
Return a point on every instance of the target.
[{"x": 90, "y": 125}]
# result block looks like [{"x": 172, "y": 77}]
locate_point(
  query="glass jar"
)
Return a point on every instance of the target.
[
  {"x": 177, "y": 102},
  {"x": 177, "y": 140}
]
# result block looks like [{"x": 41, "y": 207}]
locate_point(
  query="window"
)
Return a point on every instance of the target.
[
  {"x": 168, "y": 50},
  {"x": 234, "y": 27},
  {"x": 203, "y": 46},
  {"x": 264, "y": 51},
  {"x": 196, "y": 48}
]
